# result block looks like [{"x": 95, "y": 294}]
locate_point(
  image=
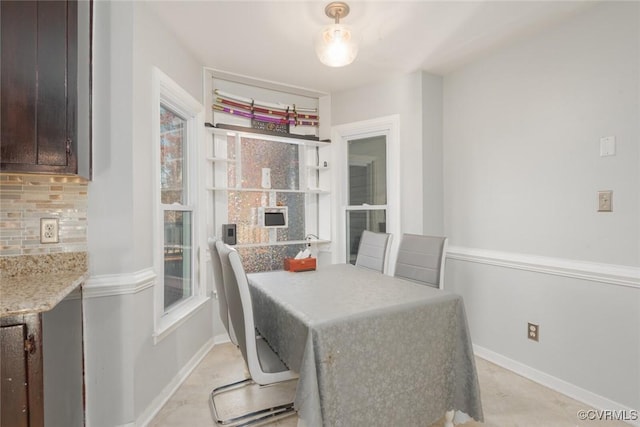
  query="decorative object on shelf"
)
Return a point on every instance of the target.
[
  {"x": 265, "y": 115},
  {"x": 273, "y": 216},
  {"x": 270, "y": 109},
  {"x": 292, "y": 137},
  {"x": 270, "y": 126},
  {"x": 335, "y": 44}
]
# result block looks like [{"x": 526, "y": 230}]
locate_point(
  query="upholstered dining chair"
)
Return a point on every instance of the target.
[
  {"x": 373, "y": 250},
  {"x": 219, "y": 283},
  {"x": 264, "y": 366},
  {"x": 421, "y": 259}
]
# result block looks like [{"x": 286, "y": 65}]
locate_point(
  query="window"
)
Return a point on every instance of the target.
[
  {"x": 369, "y": 177},
  {"x": 177, "y": 211},
  {"x": 271, "y": 224},
  {"x": 177, "y": 122},
  {"x": 367, "y": 190}
]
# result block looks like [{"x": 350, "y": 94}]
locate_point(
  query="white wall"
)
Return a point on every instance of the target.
[
  {"x": 404, "y": 96},
  {"x": 110, "y": 209},
  {"x": 432, "y": 146},
  {"x": 521, "y": 173},
  {"x": 127, "y": 375},
  {"x": 521, "y": 170}
]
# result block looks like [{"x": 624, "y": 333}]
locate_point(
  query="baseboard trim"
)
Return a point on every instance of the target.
[
  {"x": 163, "y": 397},
  {"x": 561, "y": 386},
  {"x": 620, "y": 275},
  {"x": 221, "y": 339},
  {"x": 118, "y": 284}
]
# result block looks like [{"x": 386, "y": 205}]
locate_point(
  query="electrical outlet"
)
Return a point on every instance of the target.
[
  {"x": 48, "y": 230},
  {"x": 604, "y": 201},
  {"x": 533, "y": 331}
]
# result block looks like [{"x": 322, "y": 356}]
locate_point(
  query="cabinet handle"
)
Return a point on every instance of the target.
[
  {"x": 30, "y": 344},
  {"x": 68, "y": 147}
]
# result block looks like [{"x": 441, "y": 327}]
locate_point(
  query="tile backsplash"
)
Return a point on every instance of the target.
[{"x": 26, "y": 198}]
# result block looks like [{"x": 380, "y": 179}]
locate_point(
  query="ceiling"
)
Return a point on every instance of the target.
[{"x": 274, "y": 40}]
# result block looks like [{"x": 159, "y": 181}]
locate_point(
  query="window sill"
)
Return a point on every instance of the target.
[{"x": 173, "y": 319}]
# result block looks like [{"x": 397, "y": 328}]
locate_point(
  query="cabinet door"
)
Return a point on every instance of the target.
[
  {"x": 21, "y": 396},
  {"x": 14, "y": 401},
  {"x": 63, "y": 362},
  {"x": 39, "y": 88}
]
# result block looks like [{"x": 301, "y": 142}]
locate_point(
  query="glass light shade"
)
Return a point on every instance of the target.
[{"x": 335, "y": 46}]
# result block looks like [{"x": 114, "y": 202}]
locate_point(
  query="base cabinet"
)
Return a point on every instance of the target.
[
  {"x": 21, "y": 390},
  {"x": 63, "y": 364},
  {"x": 41, "y": 358}
]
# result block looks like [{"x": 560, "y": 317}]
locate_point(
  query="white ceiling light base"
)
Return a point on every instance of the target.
[{"x": 335, "y": 45}]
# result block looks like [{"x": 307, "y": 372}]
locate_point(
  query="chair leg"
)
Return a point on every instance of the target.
[
  {"x": 250, "y": 418},
  {"x": 275, "y": 412}
]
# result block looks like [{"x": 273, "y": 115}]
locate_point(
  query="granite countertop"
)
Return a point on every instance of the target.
[{"x": 35, "y": 283}]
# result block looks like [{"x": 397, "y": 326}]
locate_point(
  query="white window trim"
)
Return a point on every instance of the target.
[
  {"x": 340, "y": 135},
  {"x": 169, "y": 93}
]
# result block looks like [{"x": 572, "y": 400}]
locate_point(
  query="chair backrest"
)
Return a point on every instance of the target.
[
  {"x": 372, "y": 252},
  {"x": 238, "y": 300},
  {"x": 218, "y": 277},
  {"x": 264, "y": 365},
  {"x": 421, "y": 259}
]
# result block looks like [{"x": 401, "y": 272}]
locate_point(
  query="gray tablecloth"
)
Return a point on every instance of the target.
[{"x": 371, "y": 350}]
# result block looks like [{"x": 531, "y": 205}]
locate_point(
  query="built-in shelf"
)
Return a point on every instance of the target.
[
  {"x": 223, "y": 168},
  {"x": 243, "y": 132},
  {"x": 281, "y": 243}
]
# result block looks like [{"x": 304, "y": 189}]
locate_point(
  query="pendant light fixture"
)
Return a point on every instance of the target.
[{"x": 335, "y": 45}]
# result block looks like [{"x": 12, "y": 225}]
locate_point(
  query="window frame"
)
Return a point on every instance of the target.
[
  {"x": 173, "y": 97},
  {"x": 388, "y": 126}
]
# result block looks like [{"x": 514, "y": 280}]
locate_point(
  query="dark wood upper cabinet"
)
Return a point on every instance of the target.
[{"x": 39, "y": 77}]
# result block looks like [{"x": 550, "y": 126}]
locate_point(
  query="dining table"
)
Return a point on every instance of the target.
[{"x": 370, "y": 349}]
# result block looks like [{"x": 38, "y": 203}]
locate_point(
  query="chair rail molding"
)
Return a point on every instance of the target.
[
  {"x": 612, "y": 274},
  {"x": 107, "y": 285}
]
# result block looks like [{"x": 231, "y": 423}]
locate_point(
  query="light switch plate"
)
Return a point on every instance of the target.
[
  {"x": 605, "y": 201},
  {"x": 607, "y": 146}
]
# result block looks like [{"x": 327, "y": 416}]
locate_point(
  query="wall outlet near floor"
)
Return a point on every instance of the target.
[
  {"x": 533, "y": 331},
  {"x": 48, "y": 230}
]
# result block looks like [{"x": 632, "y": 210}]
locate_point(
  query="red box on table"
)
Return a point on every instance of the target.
[{"x": 303, "y": 264}]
